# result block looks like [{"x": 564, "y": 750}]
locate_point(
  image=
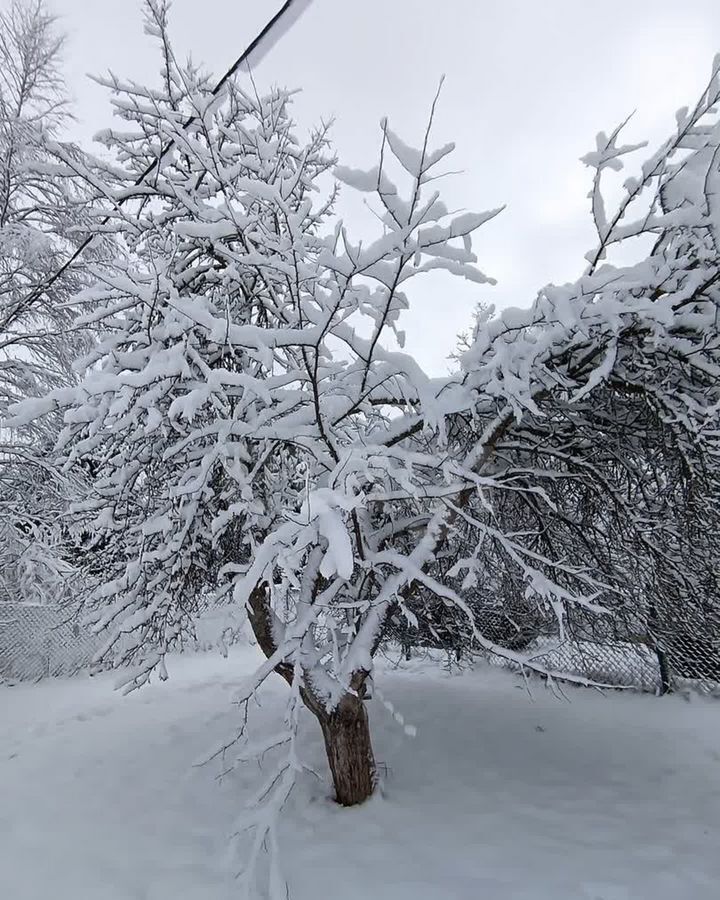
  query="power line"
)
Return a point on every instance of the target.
[{"x": 254, "y": 47}]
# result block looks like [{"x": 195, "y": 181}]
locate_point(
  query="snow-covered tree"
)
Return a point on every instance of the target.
[
  {"x": 40, "y": 223},
  {"x": 255, "y": 428},
  {"x": 239, "y": 413},
  {"x": 627, "y": 452}
]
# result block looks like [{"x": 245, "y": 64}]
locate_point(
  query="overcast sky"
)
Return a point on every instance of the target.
[{"x": 528, "y": 85}]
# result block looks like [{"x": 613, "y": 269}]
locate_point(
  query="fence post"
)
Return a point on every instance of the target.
[
  {"x": 663, "y": 664},
  {"x": 665, "y": 676},
  {"x": 48, "y": 651}
]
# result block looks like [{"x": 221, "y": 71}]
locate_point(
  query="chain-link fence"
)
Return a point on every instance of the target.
[
  {"x": 619, "y": 665},
  {"x": 41, "y": 640},
  {"x": 656, "y": 654},
  {"x": 37, "y": 641},
  {"x": 656, "y": 651},
  {"x": 641, "y": 649}
]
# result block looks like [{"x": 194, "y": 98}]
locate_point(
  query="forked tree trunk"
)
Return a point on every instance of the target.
[
  {"x": 346, "y": 729},
  {"x": 349, "y": 751}
]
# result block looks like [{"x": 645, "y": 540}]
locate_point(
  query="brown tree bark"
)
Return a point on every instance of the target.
[
  {"x": 349, "y": 751},
  {"x": 346, "y": 728}
]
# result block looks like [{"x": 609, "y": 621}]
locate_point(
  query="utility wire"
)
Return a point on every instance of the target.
[{"x": 252, "y": 47}]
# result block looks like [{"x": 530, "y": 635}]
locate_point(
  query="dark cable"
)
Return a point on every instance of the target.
[{"x": 41, "y": 288}]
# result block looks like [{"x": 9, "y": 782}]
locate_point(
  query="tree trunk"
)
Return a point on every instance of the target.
[
  {"x": 346, "y": 729},
  {"x": 349, "y": 751}
]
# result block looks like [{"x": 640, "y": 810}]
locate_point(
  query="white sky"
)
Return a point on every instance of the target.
[{"x": 528, "y": 85}]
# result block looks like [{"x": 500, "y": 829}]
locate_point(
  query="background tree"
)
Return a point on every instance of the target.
[{"x": 41, "y": 220}]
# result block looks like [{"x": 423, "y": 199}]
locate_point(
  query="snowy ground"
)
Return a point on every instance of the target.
[{"x": 500, "y": 796}]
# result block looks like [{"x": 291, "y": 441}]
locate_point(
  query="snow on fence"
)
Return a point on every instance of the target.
[{"x": 41, "y": 640}]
